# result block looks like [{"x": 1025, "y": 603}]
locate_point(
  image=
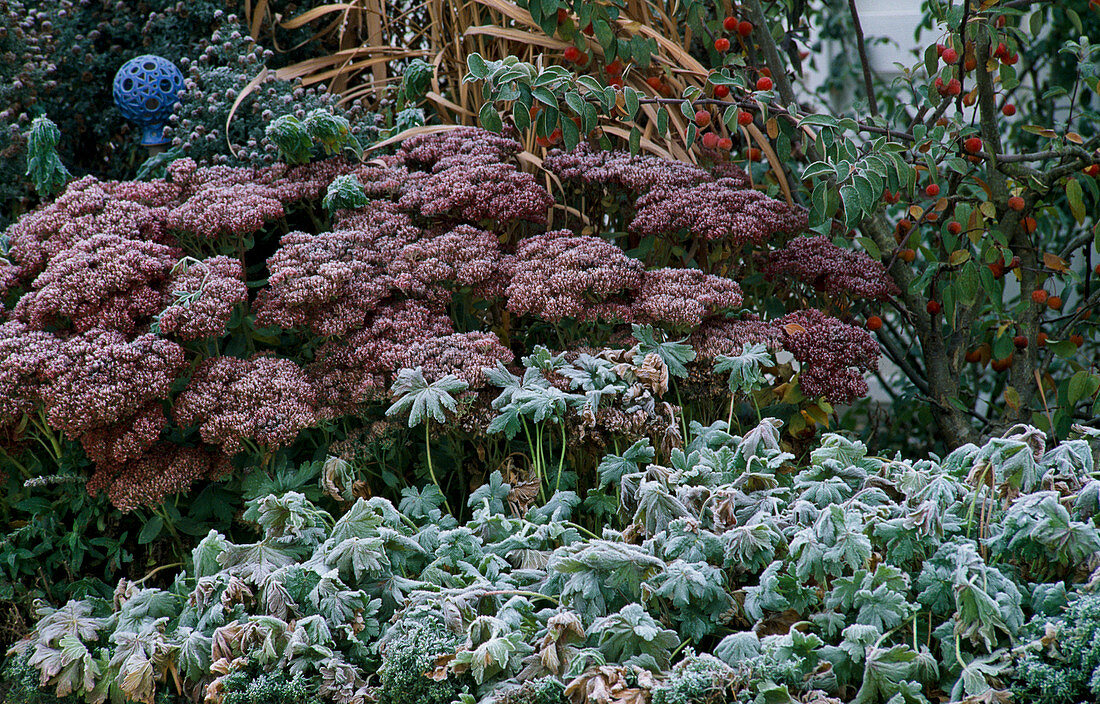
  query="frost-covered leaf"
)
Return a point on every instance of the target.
[
  {"x": 205, "y": 555},
  {"x": 289, "y": 519},
  {"x": 495, "y": 492},
  {"x": 631, "y": 633},
  {"x": 613, "y": 467},
  {"x": 423, "y": 401},
  {"x": 255, "y": 562},
  {"x": 421, "y": 503},
  {"x": 193, "y": 656},
  {"x": 359, "y": 557},
  {"x": 744, "y": 369}
]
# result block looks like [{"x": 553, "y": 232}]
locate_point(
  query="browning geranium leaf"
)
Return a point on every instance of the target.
[{"x": 674, "y": 354}]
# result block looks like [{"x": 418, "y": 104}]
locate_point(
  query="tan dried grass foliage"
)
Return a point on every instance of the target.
[{"x": 366, "y": 36}]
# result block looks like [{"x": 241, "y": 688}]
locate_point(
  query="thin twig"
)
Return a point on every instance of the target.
[{"x": 868, "y": 82}]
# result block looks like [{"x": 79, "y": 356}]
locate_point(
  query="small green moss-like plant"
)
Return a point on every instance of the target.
[
  {"x": 408, "y": 655},
  {"x": 1061, "y": 665},
  {"x": 19, "y": 685},
  {"x": 266, "y": 688}
]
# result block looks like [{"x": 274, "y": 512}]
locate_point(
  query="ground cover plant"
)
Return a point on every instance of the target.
[{"x": 726, "y": 573}]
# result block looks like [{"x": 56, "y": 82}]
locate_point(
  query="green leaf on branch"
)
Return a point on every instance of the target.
[{"x": 1075, "y": 196}]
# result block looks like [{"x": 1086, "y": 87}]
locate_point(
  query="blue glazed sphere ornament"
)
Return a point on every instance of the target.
[{"x": 146, "y": 91}]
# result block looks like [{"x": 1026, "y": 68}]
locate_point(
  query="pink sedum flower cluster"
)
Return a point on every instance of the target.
[
  {"x": 205, "y": 293},
  {"x": 684, "y": 297},
  {"x": 122, "y": 293},
  {"x": 263, "y": 399},
  {"x": 426, "y": 151},
  {"x": 820, "y": 263},
  {"x": 833, "y": 356},
  {"x": 24, "y": 356},
  {"x": 105, "y": 281},
  {"x": 330, "y": 282},
  {"x": 722, "y": 210},
  {"x": 351, "y": 371},
  {"x": 635, "y": 174},
  {"x": 561, "y": 275}
]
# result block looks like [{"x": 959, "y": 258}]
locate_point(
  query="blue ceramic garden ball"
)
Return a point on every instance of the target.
[{"x": 146, "y": 91}]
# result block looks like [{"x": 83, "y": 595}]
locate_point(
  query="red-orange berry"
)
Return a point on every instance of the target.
[
  {"x": 974, "y": 356},
  {"x": 904, "y": 225},
  {"x": 1042, "y": 339},
  {"x": 754, "y": 154},
  {"x": 950, "y": 56},
  {"x": 932, "y": 190},
  {"x": 999, "y": 365},
  {"x": 973, "y": 144},
  {"x": 954, "y": 227},
  {"x": 907, "y": 255},
  {"x": 1029, "y": 224},
  {"x": 573, "y": 54},
  {"x": 1016, "y": 203},
  {"x": 1039, "y": 296},
  {"x": 655, "y": 83},
  {"x": 874, "y": 323},
  {"x": 744, "y": 28},
  {"x": 953, "y": 87},
  {"x": 721, "y": 44},
  {"x": 615, "y": 68},
  {"x": 1077, "y": 340},
  {"x": 725, "y": 144},
  {"x": 730, "y": 24},
  {"x": 721, "y": 91},
  {"x": 702, "y": 118},
  {"x": 710, "y": 140},
  {"x": 933, "y": 307},
  {"x": 763, "y": 83},
  {"x": 1020, "y": 341},
  {"x": 1008, "y": 109},
  {"x": 1054, "y": 302},
  {"x": 1092, "y": 170},
  {"x": 744, "y": 118}
]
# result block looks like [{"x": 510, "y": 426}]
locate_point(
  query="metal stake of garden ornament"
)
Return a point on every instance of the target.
[{"x": 146, "y": 90}]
